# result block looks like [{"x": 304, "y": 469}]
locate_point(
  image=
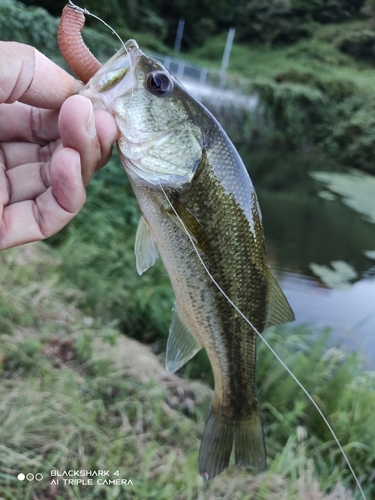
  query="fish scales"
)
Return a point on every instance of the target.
[
  {"x": 229, "y": 341},
  {"x": 198, "y": 204}
]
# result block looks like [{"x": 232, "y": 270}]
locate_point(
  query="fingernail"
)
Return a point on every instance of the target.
[
  {"x": 90, "y": 124},
  {"x": 78, "y": 169}
]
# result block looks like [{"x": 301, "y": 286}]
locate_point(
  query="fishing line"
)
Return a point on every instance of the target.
[
  {"x": 267, "y": 345},
  {"x": 85, "y": 11}
]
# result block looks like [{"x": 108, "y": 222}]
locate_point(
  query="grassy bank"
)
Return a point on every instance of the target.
[
  {"x": 75, "y": 394},
  {"x": 316, "y": 93}
]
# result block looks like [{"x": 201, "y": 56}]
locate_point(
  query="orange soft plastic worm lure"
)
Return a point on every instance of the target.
[{"x": 74, "y": 50}]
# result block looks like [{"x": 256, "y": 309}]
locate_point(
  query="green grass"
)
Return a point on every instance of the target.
[
  {"x": 318, "y": 53},
  {"x": 76, "y": 394},
  {"x": 312, "y": 94}
]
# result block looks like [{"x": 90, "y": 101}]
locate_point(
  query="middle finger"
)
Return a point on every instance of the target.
[
  {"x": 20, "y": 153},
  {"x": 28, "y": 181},
  {"x": 20, "y": 122}
]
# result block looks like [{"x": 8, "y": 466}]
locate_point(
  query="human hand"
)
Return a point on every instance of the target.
[{"x": 47, "y": 156}]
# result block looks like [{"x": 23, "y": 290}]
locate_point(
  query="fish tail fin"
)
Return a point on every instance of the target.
[
  {"x": 219, "y": 435},
  {"x": 216, "y": 446},
  {"x": 249, "y": 445}
]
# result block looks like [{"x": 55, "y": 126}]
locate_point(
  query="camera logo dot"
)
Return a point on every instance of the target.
[{"x": 29, "y": 477}]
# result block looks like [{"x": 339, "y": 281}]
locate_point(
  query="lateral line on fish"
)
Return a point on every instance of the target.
[{"x": 269, "y": 347}]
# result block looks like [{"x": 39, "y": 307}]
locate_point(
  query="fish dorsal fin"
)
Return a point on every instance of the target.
[
  {"x": 278, "y": 308},
  {"x": 181, "y": 345},
  {"x": 187, "y": 221},
  {"x": 145, "y": 248}
]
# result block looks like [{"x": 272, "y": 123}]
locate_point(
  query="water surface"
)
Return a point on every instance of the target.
[{"x": 301, "y": 228}]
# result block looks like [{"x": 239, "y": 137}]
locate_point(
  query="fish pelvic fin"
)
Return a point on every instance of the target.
[
  {"x": 181, "y": 345},
  {"x": 221, "y": 433},
  {"x": 145, "y": 248}
]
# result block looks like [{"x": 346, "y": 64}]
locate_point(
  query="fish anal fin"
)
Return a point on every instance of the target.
[
  {"x": 218, "y": 438},
  {"x": 145, "y": 248},
  {"x": 187, "y": 221},
  {"x": 181, "y": 345},
  {"x": 278, "y": 308}
]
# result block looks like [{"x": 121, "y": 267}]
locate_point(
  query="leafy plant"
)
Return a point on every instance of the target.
[
  {"x": 339, "y": 275},
  {"x": 356, "y": 189}
]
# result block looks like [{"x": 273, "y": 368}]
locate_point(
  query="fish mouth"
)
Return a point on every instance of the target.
[
  {"x": 125, "y": 58},
  {"x": 131, "y": 44},
  {"x": 115, "y": 78}
]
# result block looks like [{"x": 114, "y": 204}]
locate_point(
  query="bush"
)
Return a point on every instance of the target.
[
  {"x": 289, "y": 20},
  {"x": 358, "y": 44},
  {"x": 31, "y": 25},
  {"x": 34, "y": 26},
  {"x": 331, "y": 113}
]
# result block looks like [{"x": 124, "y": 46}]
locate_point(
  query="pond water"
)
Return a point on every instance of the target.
[{"x": 302, "y": 228}]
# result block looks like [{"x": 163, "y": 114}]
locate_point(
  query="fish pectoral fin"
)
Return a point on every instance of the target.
[
  {"x": 145, "y": 249},
  {"x": 188, "y": 223},
  {"x": 181, "y": 345},
  {"x": 278, "y": 308}
]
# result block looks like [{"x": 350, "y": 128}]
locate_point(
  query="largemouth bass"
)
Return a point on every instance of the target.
[{"x": 200, "y": 213}]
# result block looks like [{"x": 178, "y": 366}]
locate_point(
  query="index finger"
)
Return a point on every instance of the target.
[{"x": 26, "y": 75}]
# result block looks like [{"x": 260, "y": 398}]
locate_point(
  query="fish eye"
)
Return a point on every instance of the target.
[{"x": 158, "y": 83}]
